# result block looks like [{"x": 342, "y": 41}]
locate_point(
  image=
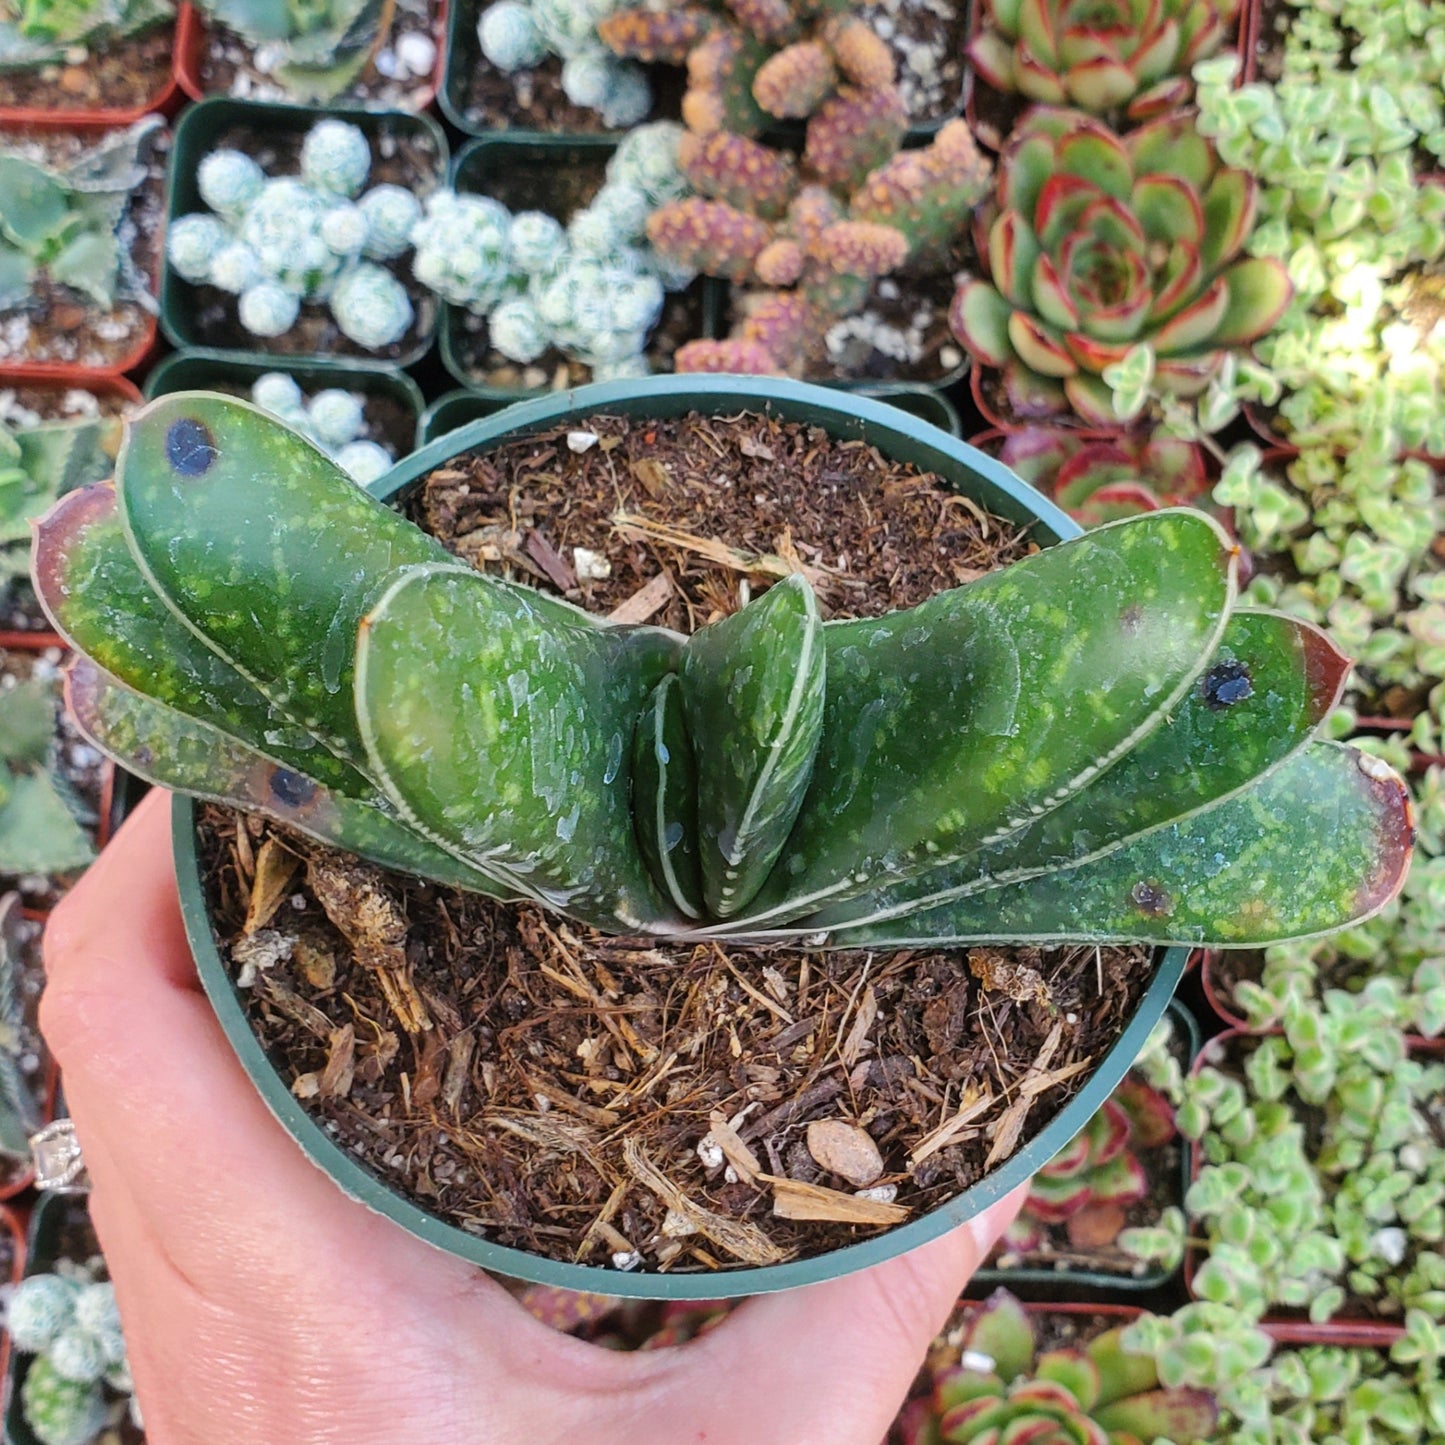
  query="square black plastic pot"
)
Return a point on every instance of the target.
[
  {"x": 199, "y": 130},
  {"x": 202, "y": 369},
  {"x": 495, "y": 163},
  {"x": 896, "y": 434}
]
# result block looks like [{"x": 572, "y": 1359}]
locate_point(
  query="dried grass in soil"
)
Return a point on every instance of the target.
[{"x": 549, "y": 1087}]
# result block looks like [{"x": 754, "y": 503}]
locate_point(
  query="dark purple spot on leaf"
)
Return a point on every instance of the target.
[
  {"x": 292, "y": 789},
  {"x": 1151, "y": 900},
  {"x": 144, "y": 756},
  {"x": 1225, "y": 684},
  {"x": 1130, "y": 618},
  {"x": 190, "y": 448}
]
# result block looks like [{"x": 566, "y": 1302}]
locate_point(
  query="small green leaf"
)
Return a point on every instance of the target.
[
  {"x": 90, "y": 264},
  {"x": 33, "y": 204},
  {"x": 948, "y": 726},
  {"x": 752, "y": 697},
  {"x": 506, "y": 735},
  {"x": 1320, "y": 842},
  {"x": 171, "y": 750},
  {"x": 38, "y": 833},
  {"x": 664, "y": 792},
  {"x": 27, "y": 723}
]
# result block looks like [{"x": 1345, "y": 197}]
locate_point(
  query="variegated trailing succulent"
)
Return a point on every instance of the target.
[
  {"x": 997, "y": 1385},
  {"x": 1099, "y": 55},
  {"x": 1098, "y": 246},
  {"x": 1092, "y": 743},
  {"x": 34, "y": 33}
]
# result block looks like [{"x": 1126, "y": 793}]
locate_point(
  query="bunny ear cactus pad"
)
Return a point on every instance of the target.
[{"x": 1088, "y": 744}]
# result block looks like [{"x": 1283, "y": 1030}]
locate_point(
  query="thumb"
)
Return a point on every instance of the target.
[{"x": 829, "y": 1364}]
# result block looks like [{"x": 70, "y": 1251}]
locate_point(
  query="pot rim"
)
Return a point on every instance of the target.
[{"x": 849, "y": 415}]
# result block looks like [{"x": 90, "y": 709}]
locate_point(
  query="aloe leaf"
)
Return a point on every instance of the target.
[
  {"x": 1319, "y": 843},
  {"x": 1271, "y": 683},
  {"x": 664, "y": 791},
  {"x": 949, "y": 726},
  {"x": 163, "y": 746},
  {"x": 98, "y": 599},
  {"x": 752, "y": 695},
  {"x": 508, "y": 734}
]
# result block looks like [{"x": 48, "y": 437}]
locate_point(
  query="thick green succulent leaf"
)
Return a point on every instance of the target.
[
  {"x": 1072, "y": 1369},
  {"x": 1272, "y": 682},
  {"x": 1320, "y": 842},
  {"x": 1003, "y": 1331},
  {"x": 506, "y": 735},
  {"x": 1183, "y": 1415},
  {"x": 1121, "y": 1372},
  {"x": 752, "y": 695},
  {"x": 664, "y": 792},
  {"x": 38, "y": 832},
  {"x": 17, "y": 274},
  {"x": 165, "y": 747},
  {"x": 1259, "y": 291},
  {"x": 97, "y": 598},
  {"x": 27, "y": 723},
  {"x": 948, "y": 726},
  {"x": 34, "y": 203},
  {"x": 264, "y": 547}
]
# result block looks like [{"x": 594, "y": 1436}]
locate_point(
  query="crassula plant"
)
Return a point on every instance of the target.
[
  {"x": 1098, "y": 248},
  {"x": 1099, "y": 55},
  {"x": 518, "y": 34},
  {"x": 35, "y": 33},
  {"x": 1112, "y": 751},
  {"x": 810, "y": 241},
  {"x": 996, "y": 1384},
  {"x": 321, "y": 237},
  {"x": 1097, "y": 481},
  {"x": 78, "y": 1382}
]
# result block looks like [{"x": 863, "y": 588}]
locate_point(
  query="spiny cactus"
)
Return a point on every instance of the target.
[
  {"x": 59, "y": 223},
  {"x": 1097, "y": 245},
  {"x": 996, "y": 1385},
  {"x": 278, "y": 243},
  {"x": 324, "y": 44},
  {"x": 79, "y": 1375},
  {"x": 39, "y": 464},
  {"x": 817, "y": 238},
  {"x": 1089, "y": 744},
  {"x": 518, "y": 34},
  {"x": 40, "y": 831},
  {"x": 35, "y": 33},
  {"x": 1099, "y": 55}
]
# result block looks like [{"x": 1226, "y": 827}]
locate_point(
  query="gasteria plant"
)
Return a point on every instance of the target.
[
  {"x": 1099, "y": 55},
  {"x": 817, "y": 240},
  {"x": 1112, "y": 752},
  {"x": 1098, "y": 247},
  {"x": 997, "y": 1385},
  {"x": 34, "y": 33},
  {"x": 1101, "y": 481}
]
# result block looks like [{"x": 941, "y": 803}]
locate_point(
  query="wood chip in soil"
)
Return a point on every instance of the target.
[{"x": 611, "y": 1100}]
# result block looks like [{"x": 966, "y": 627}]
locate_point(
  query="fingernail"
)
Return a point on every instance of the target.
[{"x": 987, "y": 1227}]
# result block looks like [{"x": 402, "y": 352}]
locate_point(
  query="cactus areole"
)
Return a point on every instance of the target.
[{"x": 1027, "y": 758}]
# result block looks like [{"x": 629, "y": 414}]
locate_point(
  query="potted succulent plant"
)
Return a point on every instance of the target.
[
  {"x": 26, "y": 1092},
  {"x": 92, "y": 63},
  {"x": 289, "y": 228},
  {"x": 371, "y": 53},
  {"x": 68, "y": 1380},
  {"x": 81, "y": 218},
  {"x": 363, "y": 417},
  {"x": 608, "y": 828}
]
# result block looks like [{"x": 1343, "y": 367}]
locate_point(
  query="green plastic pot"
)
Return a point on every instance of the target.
[
  {"x": 457, "y": 408},
  {"x": 48, "y": 1222},
  {"x": 1041, "y": 1282},
  {"x": 201, "y": 369},
  {"x": 199, "y": 130},
  {"x": 897, "y": 435}
]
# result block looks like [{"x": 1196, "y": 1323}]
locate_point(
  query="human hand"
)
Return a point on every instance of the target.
[{"x": 263, "y": 1307}]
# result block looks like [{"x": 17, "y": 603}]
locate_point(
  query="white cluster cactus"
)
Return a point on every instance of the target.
[
  {"x": 279, "y": 242},
  {"x": 70, "y": 1323},
  {"x": 592, "y": 289},
  {"x": 332, "y": 419},
  {"x": 517, "y": 34}
]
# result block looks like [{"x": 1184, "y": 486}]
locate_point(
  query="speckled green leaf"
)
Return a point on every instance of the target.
[
  {"x": 752, "y": 696},
  {"x": 664, "y": 797},
  {"x": 1271, "y": 683},
  {"x": 508, "y": 734},
  {"x": 99, "y": 601},
  {"x": 1317, "y": 844},
  {"x": 949, "y": 726},
  {"x": 19, "y": 1111},
  {"x": 165, "y": 747}
]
